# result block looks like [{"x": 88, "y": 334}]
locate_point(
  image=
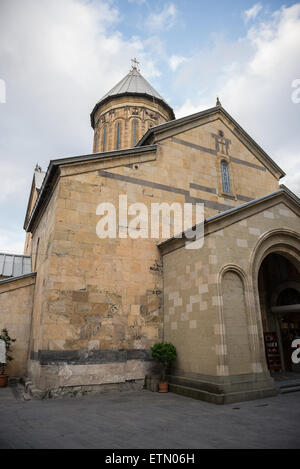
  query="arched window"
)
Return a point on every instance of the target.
[
  {"x": 104, "y": 139},
  {"x": 225, "y": 178},
  {"x": 118, "y": 134},
  {"x": 134, "y": 132}
]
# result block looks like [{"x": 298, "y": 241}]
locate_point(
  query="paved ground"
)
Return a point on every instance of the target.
[{"x": 148, "y": 420}]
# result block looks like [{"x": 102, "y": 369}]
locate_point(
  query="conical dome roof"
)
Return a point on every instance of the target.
[{"x": 132, "y": 84}]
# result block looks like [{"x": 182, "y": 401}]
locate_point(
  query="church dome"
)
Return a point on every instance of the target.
[
  {"x": 133, "y": 84},
  {"x": 124, "y": 114}
]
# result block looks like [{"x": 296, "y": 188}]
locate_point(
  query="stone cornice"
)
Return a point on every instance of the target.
[
  {"x": 13, "y": 283},
  {"x": 236, "y": 214},
  {"x": 54, "y": 172},
  {"x": 116, "y": 97},
  {"x": 172, "y": 128}
]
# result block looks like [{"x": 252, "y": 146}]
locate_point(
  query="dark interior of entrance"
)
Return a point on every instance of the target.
[{"x": 279, "y": 291}]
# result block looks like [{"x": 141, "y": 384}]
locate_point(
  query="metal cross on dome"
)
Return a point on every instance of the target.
[{"x": 135, "y": 64}]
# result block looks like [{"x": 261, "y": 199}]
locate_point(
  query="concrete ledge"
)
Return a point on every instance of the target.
[
  {"x": 73, "y": 391},
  {"x": 223, "y": 389},
  {"x": 32, "y": 392},
  {"x": 224, "y": 384},
  {"x": 61, "y": 375},
  {"x": 229, "y": 398}
]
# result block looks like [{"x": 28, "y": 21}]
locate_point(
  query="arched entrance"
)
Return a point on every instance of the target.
[{"x": 279, "y": 295}]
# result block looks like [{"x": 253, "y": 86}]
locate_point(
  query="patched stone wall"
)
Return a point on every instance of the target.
[
  {"x": 41, "y": 252},
  {"x": 16, "y": 303},
  {"x": 106, "y": 294}
]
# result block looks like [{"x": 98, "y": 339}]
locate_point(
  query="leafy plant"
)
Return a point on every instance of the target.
[
  {"x": 165, "y": 353},
  {"x": 8, "y": 341}
]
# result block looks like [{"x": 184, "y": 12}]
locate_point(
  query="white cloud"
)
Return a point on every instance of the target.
[
  {"x": 139, "y": 2},
  {"x": 290, "y": 163},
  {"x": 13, "y": 182},
  {"x": 254, "y": 82},
  {"x": 163, "y": 20},
  {"x": 261, "y": 94},
  {"x": 11, "y": 242},
  {"x": 189, "y": 107},
  {"x": 175, "y": 61},
  {"x": 252, "y": 13},
  {"x": 58, "y": 59}
]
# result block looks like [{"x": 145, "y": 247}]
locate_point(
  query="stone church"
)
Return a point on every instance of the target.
[{"x": 85, "y": 311}]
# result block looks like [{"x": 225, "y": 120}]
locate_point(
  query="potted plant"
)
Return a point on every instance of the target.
[
  {"x": 8, "y": 341},
  {"x": 164, "y": 353}
]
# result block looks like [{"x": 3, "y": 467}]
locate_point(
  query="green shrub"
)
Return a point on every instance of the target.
[
  {"x": 8, "y": 341},
  {"x": 165, "y": 353}
]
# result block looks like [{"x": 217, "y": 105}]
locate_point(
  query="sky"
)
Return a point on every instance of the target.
[{"x": 59, "y": 57}]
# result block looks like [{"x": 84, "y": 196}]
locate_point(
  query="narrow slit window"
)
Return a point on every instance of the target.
[
  {"x": 36, "y": 253},
  {"x": 104, "y": 140},
  {"x": 225, "y": 177},
  {"x": 134, "y": 133},
  {"x": 118, "y": 136},
  {"x": 96, "y": 141}
]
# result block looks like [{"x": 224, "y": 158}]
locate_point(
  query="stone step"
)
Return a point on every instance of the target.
[
  {"x": 228, "y": 398},
  {"x": 288, "y": 389},
  {"x": 196, "y": 393}
]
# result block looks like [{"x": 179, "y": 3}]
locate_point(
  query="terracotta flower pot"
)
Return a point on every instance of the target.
[
  {"x": 163, "y": 386},
  {"x": 3, "y": 381}
]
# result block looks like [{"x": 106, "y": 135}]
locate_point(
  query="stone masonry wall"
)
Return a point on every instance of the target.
[
  {"x": 126, "y": 110},
  {"x": 42, "y": 241},
  {"x": 207, "y": 302},
  {"x": 16, "y": 302},
  {"x": 95, "y": 294}
]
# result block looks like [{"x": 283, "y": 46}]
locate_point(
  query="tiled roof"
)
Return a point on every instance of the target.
[
  {"x": 133, "y": 82},
  {"x": 14, "y": 265}
]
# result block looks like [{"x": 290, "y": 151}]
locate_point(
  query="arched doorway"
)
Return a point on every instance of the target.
[{"x": 279, "y": 295}]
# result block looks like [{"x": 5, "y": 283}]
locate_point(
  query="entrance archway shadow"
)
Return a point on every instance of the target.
[{"x": 275, "y": 273}]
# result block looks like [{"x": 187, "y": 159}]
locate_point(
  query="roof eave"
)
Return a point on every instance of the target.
[
  {"x": 29, "y": 200},
  {"x": 53, "y": 168},
  {"x": 20, "y": 277},
  {"x": 253, "y": 142},
  {"x": 114, "y": 97},
  {"x": 207, "y": 112},
  {"x": 229, "y": 213},
  {"x": 175, "y": 123}
]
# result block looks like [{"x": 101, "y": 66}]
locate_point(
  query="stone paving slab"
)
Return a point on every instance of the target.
[{"x": 148, "y": 420}]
